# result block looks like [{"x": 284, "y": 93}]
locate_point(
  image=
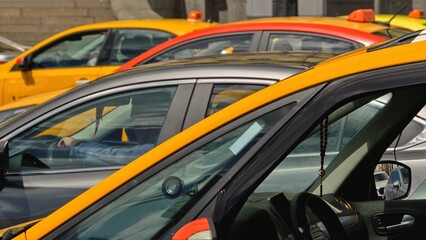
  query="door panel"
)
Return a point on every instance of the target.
[
  {"x": 395, "y": 219},
  {"x": 20, "y": 84}
]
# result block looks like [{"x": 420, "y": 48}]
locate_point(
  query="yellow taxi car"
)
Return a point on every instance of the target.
[
  {"x": 83, "y": 53},
  {"x": 414, "y": 20},
  {"x": 250, "y": 170}
]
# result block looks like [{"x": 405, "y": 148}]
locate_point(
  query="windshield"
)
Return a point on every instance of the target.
[
  {"x": 146, "y": 211},
  {"x": 300, "y": 168}
]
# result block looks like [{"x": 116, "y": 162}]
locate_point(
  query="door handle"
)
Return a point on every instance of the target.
[
  {"x": 406, "y": 222},
  {"x": 81, "y": 81},
  {"x": 388, "y": 223}
]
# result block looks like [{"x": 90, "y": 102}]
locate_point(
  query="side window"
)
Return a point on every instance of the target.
[
  {"x": 129, "y": 43},
  {"x": 106, "y": 132},
  {"x": 226, "y": 94},
  {"x": 300, "y": 168},
  {"x": 299, "y": 42},
  {"x": 208, "y": 47},
  {"x": 73, "y": 51}
]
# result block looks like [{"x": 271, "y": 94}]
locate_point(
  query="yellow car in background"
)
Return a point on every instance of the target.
[
  {"x": 414, "y": 20},
  {"x": 81, "y": 54}
]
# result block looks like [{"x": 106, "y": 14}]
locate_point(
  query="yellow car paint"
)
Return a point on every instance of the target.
[{"x": 402, "y": 21}]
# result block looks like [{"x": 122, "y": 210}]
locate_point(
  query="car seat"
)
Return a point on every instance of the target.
[{"x": 148, "y": 113}]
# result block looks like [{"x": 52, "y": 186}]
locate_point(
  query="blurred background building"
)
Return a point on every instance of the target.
[{"x": 29, "y": 21}]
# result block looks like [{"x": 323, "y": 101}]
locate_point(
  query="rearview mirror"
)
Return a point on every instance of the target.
[
  {"x": 392, "y": 179},
  {"x": 199, "y": 229}
]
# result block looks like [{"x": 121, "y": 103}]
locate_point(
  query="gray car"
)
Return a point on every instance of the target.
[{"x": 56, "y": 149}]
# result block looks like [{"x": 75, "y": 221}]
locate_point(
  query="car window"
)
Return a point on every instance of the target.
[
  {"x": 73, "y": 51},
  {"x": 392, "y": 32},
  {"x": 147, "y": 210},
  {"x": 109, "y": 131},
  {"x": 224, "y": 95},
  {"x": 299, "y": 42},
  {"x": 131, "y": 42},
  {"x": 208, "y": 47},
  {"x": 300, "y": 168}
]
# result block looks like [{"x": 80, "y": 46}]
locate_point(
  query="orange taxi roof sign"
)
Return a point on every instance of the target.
[
  {"x": 416, "y": 13},
  {"x": 362, "y": 15},
  {"x": 195, "y": 16}
]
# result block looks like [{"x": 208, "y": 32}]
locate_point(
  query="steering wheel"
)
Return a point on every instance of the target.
[
  {"x": 50, "y": 144},
  {"x": 319, "y": 207}
]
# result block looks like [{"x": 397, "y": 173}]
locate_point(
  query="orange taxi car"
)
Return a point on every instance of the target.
[{"x": 327, "y": 34}]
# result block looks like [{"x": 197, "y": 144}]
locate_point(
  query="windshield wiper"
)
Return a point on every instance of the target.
[{"x": 13, "y": 232}]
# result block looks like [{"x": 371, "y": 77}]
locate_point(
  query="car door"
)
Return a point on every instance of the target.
[
  {"x": 112, "y": 128},
  {"x": 62, "y": 64}
]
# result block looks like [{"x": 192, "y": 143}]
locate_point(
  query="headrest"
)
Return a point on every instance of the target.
[
  {"x": 311, "y": 44},
  {"x": 131, "y": 47},
  {"x": 150, "y": 108}
]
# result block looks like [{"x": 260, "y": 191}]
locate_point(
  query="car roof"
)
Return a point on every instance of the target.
[
  {"x": 332, "y": 21},
  {"x": 270, "y": 24},
  {"x": 178, "y": 26},
  {"x": 358, "y": 61}
]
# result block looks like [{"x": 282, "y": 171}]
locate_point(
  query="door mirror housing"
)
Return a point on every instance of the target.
[
  {"x": 398, "y": 184},
  {"x": 23, "y": 63},
  {"x": 199, "y": 229}
]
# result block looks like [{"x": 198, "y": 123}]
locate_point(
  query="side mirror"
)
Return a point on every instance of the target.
[
  {"x": 398, "y": 183},
  {"x": 4, "y": 161},
  {"x": 199, "y": 229},
  {"x": 23, "y": 63}
]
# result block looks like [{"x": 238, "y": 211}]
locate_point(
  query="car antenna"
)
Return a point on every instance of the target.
[
  {"x": 396, "y": 14},
  {"x": 396, "y": 145}
]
